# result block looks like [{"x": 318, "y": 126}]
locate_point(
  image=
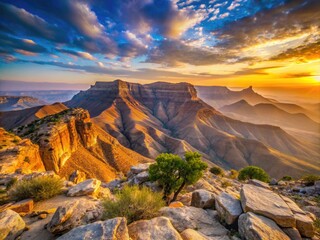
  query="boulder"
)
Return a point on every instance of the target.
[
  {"x": 313, "y": 209},
  {"x": 159, "y": 228},
  {"x": 292, "y": 233},
  {"x": 24, "y": 206},
  {"x": 267, "y": 203},
  {"x": 303, "y": 222},
  {"x": 139, "y": 168},
  {"x": 202, "y": 199},
  {"x": 77, "y": 177},
  {"x": 259, "y": 183},
  {"x": 190, "y": 234},
  {"x": 73, "y": 215},
  {"x": 103, "y": 193},
  {"x": 228, "y": 208},
  {"x": 256, "y": 227},
  {"x": 273, "y": 181},
  {"x": 140, "y": 178},
  {"x": 11, "y": 225},
  {"x": 282, "y": 183},
  {"x": 205, "y": 221},
  {"x": 87, "y": 187},
  {"x": 112, "y": 229}
]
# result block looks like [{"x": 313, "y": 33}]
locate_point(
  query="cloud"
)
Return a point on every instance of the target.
[
  {"x": 84, "y": 55},
  {"x": 22, "y": 46},
  {"x": 298, "y": 75},
  {"x": 30, "y": 24}
]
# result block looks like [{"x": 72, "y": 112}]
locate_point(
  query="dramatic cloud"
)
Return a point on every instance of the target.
[{"x": 76, "y": 54}]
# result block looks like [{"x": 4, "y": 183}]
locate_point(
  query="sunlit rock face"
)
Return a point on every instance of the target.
[{"x": 18, "y": 154}]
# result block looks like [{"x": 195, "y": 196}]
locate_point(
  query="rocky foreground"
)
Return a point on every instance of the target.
[{"x": 213, "y": 208}]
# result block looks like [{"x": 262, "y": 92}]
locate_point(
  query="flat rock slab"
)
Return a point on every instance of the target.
[
  {"x": 112, "y": 229},
  {"x": 259, "y": 183},
  {"x": 267, "y": 203},
  {"x": 256, "y": 227},
  {"x": 24, "y": 206},
  {"x": 228, "y": 208},
  {"x": 190, "y": 234},
  {"x": 205, "y": 221},
  {"x": 159, "y": 228},
  {"x": 87, "y": 187}
]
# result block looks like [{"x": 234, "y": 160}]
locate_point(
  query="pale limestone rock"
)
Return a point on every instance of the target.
[
  {"x": 256, "y": 227},
  {"x": 139, "y": 168},
  {"x": 228, "y": 208},
  {"x": 73, "y": 215},
  {"x": 112, "y": 229},
  {"x": 259, "y": 183},
  {"x": 267, "y": 203},
  {"x": 205, "y": 221},
  {"x": 87, "y": 187},
  {"x": 190, "y": 234},
  {"x": 202, "y": 199},
  {"x": 11, "y": 225},
  {"x": 159, "y": 228}
]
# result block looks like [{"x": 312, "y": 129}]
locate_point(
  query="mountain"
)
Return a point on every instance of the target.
[
  {"x": 12, "y": 119},
  {"x": 69, "y": 141},
  {"x": 260, "y": 113},
  {"x": 11, "y": 103},
  {"x": 218, "y": 96},
  {"x": 164, "y": 117}
]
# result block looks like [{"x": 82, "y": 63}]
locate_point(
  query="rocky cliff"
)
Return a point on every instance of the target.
[
  {"x": 18, "y": 154},
  {"x": 11, "y": 103},
  {"x": 69, "y": 141}
]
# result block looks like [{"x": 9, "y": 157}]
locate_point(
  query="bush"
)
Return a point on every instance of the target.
[
  {"x": 217, "y": 171},
  {"x": 233, "y": 174},
  {"x": 174, "y": 173},
  {"x": 310, "y": 179},
  {"x": 286, "y": 178},
  {"x": 39, "y": 188},
  {"x": 134, "y": 204},
  {"x": 226, "y": 184},
  {"x": 253, "y": 172}
]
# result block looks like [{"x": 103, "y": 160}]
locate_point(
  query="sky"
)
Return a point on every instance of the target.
[{"x": 235, "y": 43}]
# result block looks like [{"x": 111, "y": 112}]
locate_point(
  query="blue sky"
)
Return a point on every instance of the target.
[{"x": 207, "y": 42}]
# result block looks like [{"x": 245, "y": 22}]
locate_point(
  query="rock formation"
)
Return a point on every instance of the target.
[{"x": 12, "y": 103}]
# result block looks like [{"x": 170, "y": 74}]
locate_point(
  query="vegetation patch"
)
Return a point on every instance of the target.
[
  {"x": 253, "y": 172},
  {"x": 39, "y": 188},
  {"x": 134, "y": 204},
  {"x": 217, "y": 171},
  {"x": 310, "y": 179}
]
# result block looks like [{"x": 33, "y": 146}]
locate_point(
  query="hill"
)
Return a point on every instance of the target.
[
  {"x": 163, "y": 117},
  {"x": 12, "y": 103}
]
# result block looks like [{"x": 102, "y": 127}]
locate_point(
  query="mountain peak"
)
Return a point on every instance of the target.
[{"x": 248, "y": 90}]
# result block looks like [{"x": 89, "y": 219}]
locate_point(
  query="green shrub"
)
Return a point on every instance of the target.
[
  {"x": 286, "y": 178},
  {"x": 226, "y": 184},
  {"x": 134, "y": 204},
  {"x": 253, "y": 172},
  {"x": 11, "y": 183},
  {"x": 174, "y": 173},
  {"x": 39, "y": 188},
  {"x": 217, "y": 171},
  {"x": 233, "y": 174},
  {"x": 310, "y": 179}
]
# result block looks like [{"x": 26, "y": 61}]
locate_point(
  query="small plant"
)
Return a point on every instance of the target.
[
  {"x": 39, "y": 188},
  {"x": 134, "y": 204},
  {"x": 310, "y": 179},
  {"x": 11, "y": 183},
  {"x": 286, "y": 178},
  {"x": 226, "y": 184},
  {"x": 317, "y": 225},
  {"x": 253, "y": 172},
  {"x": 16, "y": 140},
  {"x": 217, "y": 171},
  {"x": 233, "y": 174}
]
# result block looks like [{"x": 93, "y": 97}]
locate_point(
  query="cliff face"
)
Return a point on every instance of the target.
[
  {"x": 11, "y": 103},
  {"x": 18, "y": 155},
  {"x": 60, "y": 135},
  {"x": 69, "y": 141}
]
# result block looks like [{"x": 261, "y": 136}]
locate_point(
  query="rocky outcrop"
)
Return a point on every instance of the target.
[
  {"x": 228, "y": 208},
  {"x": 74, "y": 214},
  {"x": 205, "y": 221},
  {"x": 24, "y": 206},
  {"x": 159, "y": 228},
  {"x": 267, "y": 203},
  {"x": 202, "y": 199},
  {"x": 259, "y": 183},
  {"x": 190, "y": 234},
  {"x": 87, "y": 187},
  {"x": 18, "y": 154},
  {"x": 112, "y": 229},
  {"x": 13, "y": 103},
  {"x": 77, "y": 177},
  {"x": 11, "y": 225},
  {"x": 256, "y": 227}
]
